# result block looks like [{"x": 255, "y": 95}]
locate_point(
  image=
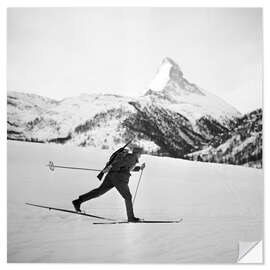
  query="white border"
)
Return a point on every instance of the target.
[
  {"x": 133, "y": 3},
  {"x": 126, "y": 3}
]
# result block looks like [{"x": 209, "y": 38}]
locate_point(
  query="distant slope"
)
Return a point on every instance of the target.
[{"x": 241, "y": 145}]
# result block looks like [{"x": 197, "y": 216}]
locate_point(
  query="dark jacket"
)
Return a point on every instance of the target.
[{"x": 124, "y": 163}]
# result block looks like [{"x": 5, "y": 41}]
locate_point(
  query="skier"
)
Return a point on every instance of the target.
[{"x": 118, "y": 177}]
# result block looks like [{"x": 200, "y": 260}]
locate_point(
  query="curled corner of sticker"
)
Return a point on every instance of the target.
[{"x": 250, "y": 252}]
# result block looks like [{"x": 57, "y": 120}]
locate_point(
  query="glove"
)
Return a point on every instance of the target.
[
  {"x": 136, "y": 169},
  {"x": 143, "y": 166}
]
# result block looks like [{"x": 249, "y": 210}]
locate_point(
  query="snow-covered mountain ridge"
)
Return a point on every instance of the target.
[
  {"x": 171, "y": 90},
  {"x": 174, "y": 117},
  {"x": 241, "y": 145}
]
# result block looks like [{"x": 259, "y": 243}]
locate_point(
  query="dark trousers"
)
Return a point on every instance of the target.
[{"x": 120, "y": 182}]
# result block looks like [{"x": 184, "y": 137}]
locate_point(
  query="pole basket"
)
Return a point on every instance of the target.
[{"x": 51, "y": 166}]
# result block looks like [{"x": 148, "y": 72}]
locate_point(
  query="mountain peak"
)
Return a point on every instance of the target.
[
  {"x": 167, "y": 71},
  {"x": 169, "y": 80},
  {"x": 168, "y": 60}
]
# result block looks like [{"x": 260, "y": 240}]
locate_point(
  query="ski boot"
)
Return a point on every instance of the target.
[
  {"x": 77, "y": 205},
  {"x": 134, "y": 219}
]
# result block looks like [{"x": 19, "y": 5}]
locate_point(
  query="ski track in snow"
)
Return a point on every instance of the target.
[{"x": 221, "y": 205}]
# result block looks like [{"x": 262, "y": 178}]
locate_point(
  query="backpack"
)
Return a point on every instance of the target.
[{"x": 119, "y": 160}]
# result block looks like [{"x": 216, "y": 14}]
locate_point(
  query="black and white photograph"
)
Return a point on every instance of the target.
[{"x": 135, "y": 135}]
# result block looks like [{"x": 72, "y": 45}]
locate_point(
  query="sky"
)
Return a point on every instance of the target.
[{"x": 63, "y": 52}]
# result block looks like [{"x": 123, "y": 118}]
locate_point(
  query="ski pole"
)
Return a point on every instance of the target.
[
  {"x": 52, "y": 167},
  {"x": 137, "y": 187}
]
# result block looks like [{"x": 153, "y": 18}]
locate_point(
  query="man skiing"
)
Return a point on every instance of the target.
[{"x": 118, "y": 177}]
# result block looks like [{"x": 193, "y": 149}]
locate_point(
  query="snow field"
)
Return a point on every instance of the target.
[{"x": 221, "y": 205}]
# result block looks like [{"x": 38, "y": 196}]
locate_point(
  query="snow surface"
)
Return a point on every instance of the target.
[
  {"x": 221, "y": 205},
  {"x": 86, "y": 106},
  {"x": 194, "y": 106}
]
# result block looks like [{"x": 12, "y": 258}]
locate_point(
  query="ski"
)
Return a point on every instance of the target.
[
  {"x": 141, "y": 221},
  {"x": 69, "y": 211}
]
